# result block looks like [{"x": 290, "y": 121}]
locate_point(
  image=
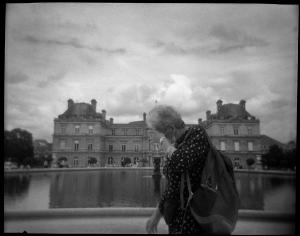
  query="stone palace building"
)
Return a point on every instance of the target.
[
  {"x": 84, "y": 137},
  {"x": 235, "y": 132}
]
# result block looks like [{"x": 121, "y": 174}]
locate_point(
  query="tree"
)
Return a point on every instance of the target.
[
  {"x": 250, "y": 162},
  {"x": 289, "y": 159},
  {"x": 144, "y": 161},
  {"x": 127, "y": 161},
  {"x": 18, "y": 146},
  {"x": 273, "y": 159},
  {"x": 92, "y": 161}
]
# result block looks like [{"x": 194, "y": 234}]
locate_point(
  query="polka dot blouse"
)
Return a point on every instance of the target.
[{"x": 192, "y": 149}]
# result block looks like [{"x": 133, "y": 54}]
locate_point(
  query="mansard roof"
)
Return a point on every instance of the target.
[
  {"x": 231, "y": 110},
  {"x": 80, "y": 110},
  {"x": 139, "y": 122}
]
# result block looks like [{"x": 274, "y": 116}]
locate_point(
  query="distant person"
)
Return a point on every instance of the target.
[
  {"x": 45, "y": 164},
  {"x": 191, "y": 151}
]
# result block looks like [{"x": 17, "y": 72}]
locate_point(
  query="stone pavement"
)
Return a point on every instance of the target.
[
  {"x": 132, "y": 225},
  {"x": 101, "y": 222}
]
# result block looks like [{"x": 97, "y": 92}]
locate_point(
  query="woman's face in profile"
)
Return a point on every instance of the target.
[{"x": 169, "y": 134}]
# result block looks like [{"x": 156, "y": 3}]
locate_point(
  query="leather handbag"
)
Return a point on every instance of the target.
[{"x": 214, "y": 205}]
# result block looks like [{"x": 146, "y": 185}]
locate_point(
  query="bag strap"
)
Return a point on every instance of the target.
[
  {"x": 183, "y": 175},
  {"x": 181, "y": 191}
]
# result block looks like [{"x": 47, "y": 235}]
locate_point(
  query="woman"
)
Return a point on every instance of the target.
[{"x": 191, "y": 150}]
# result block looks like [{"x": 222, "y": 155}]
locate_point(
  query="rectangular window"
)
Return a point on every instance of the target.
[
  {"x": 90, "y": 146},
  {"x": 76, "y": 145},
  {"x": 140, "y": 132},
  {"x": 123, "y": 147},
  {"x": 63, "y": 129},
  {"x": 250, "y": 146},
  {"x": 222, "y": 130},
  {"x": 235, "y": 131},
  {"x": 91, "y": 129},
  {"x": 249, "y": 130},
  {"x": 62, "y": 144},
  {"x": 76, "y": 162},
  {"x": 223, "y": 145},
  {"x": 236, "y": 146},
  {"x": 136, "y": 147},
  {"x": 110, "y": 147},
  {"x": 113, "y": 132},
  {"x": 77, "y": 127}
]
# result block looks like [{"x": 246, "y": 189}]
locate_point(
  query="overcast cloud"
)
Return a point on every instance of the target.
[{"x": 127, "y": 56}]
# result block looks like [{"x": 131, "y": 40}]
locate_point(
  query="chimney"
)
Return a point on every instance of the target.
[
  {"x": 208, "y": 115},
  {"x": 70, "y": 103},
  {"x": 144, "y": 116},
  {"x": 199, "y": 121},
  {"x": 111, "y": 121},
  {"x": 243, "y": 104},
  {"x": 219, "y": 104},
  {"x": 104, "y": 114},
  {"x": 94, "y": 104}
]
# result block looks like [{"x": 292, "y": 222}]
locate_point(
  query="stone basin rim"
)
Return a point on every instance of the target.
[
  {"x": 131, "y": 212},
  {"x": 35, "y": 170}
]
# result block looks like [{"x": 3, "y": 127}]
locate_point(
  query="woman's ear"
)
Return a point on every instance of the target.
[
  {"x": 169, "y": 134},
  {"x": 169, "y": 129}
]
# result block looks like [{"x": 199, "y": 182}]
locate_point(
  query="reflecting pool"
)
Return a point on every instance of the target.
[{"x": 131, "y": 188}]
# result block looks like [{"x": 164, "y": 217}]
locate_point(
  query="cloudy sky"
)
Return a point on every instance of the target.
[{"x": 126, "y": 56}]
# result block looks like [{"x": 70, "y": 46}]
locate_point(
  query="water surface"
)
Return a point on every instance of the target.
[{"x": 131, "y": 188}]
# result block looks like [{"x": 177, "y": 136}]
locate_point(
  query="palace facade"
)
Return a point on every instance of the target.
[
  {"x": 84, "y": 137},
  {"x": 235, "y": 132}
]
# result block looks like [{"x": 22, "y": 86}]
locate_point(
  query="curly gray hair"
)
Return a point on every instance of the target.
[{"x": 162, "y": 116}]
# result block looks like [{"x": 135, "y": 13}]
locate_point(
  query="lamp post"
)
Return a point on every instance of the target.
[
  {"x": 156, "y": 162},
  {"x": 149, "y": 150}
]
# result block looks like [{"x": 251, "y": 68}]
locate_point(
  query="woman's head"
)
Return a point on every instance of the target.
[{"x": 166, "y": 120}]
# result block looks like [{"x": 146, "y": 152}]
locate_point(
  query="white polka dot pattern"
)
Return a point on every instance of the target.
[{"x": 192, "y": 149}]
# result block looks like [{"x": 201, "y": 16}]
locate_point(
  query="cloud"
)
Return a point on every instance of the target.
[
  {"x": 73, "y": 42},
  {"x": 16, "y": 78},
  {"x": 230, "y": 39},
  {"x": 51, "y": 79},
  {"x": 219, "y": 40},
  {"x": 170, "y": 47}
]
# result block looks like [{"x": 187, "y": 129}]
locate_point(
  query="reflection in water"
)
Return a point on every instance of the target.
[
  {"x": 251, "y": 193},
  {"x": 157, "y": 187},
  {"x": 16, "y": 185},
  {"x": 135, "y": 188},
  {"x": 102, "y": 189}
]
